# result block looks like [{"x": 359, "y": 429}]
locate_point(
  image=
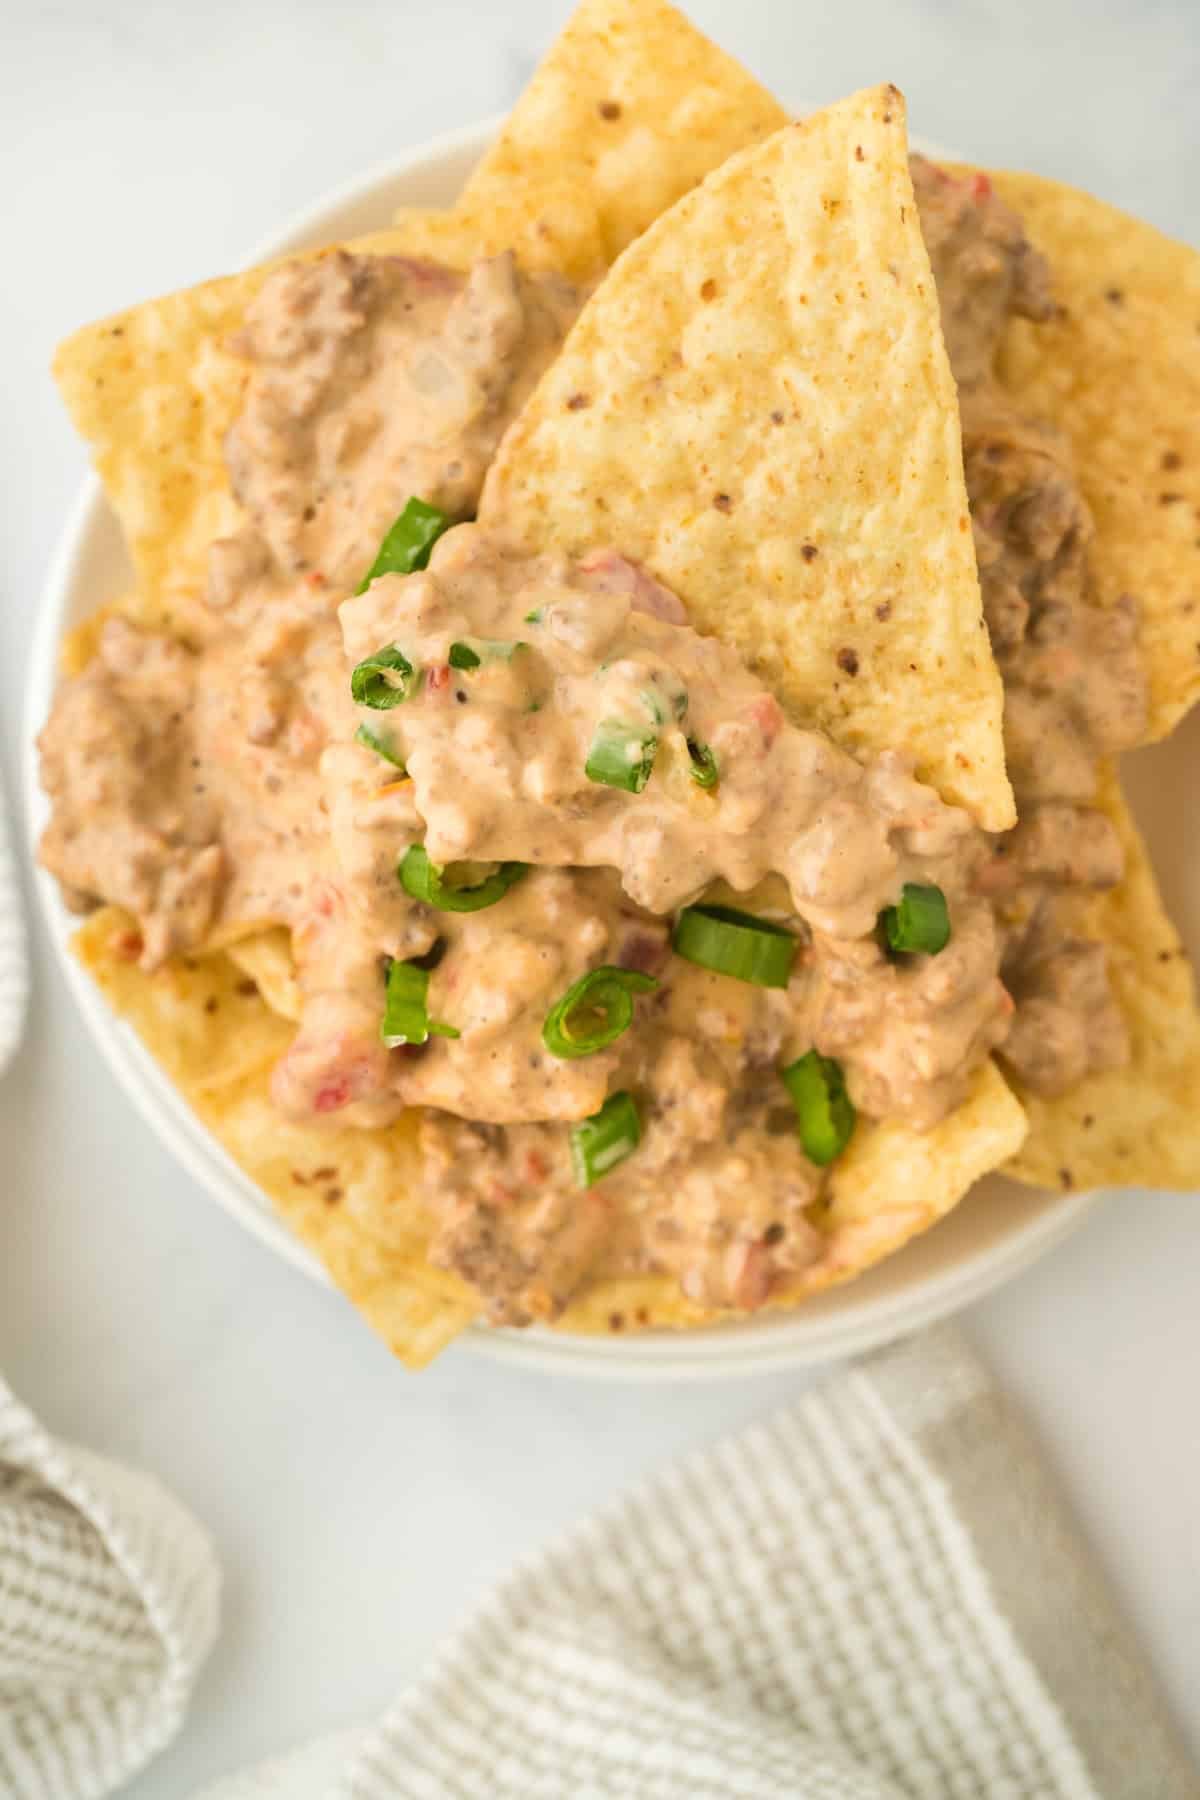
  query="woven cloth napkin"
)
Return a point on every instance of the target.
[
  {"x": 874, "y": 1595},
  {"x": 108, "y": 1605}
]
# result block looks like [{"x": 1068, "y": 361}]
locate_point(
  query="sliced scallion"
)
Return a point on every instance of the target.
[
  {"x": 620, "y": 756},
  {"x": 703, "y": 764},
  {"x": 364, "y": 735},
  {"x": 483, "y": 650},
  {"x": 384, "y": 680},
  {"x": 406, "y": 1017},
  {"x": 598, "y": 1144},
  {"x": 735, "y": 943},
  {"x": 825, "y": 1112},
  {"x": 921, "y": 921},
  {"x": 408, "y": 542},
  {"x": 438, "y": 886},
  {"x": 594, "y": 1011}
]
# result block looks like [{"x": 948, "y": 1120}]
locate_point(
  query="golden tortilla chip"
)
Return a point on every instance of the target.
[
  {"x": 265, "y": 958},
  {"x": 1119, "y": 373},
  {"x": 546, "y": 220},
  {"x": 154, "y": 390},
  {"x": 1138, "y": 1126},
  {"x": 345, "y": 1193},
  {"x": 630, "y": 108},
  {"x": 757, "y": 404},
  {"x": 890, "y": 1185}
]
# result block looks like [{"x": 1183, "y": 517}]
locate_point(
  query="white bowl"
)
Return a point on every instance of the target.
[{"x": 997, "y": 1231}]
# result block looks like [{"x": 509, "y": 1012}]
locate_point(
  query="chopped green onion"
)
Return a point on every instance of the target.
[
  {"x": 408, "y": 543},
  {"x": 466, "y": 656},
  {"x": 921, "y": 922},
  {"x": 735, "y": 943},
  {"x": 824, "y": 1110},
  {"x": 384, "y": 680},
  {"x": 364, "y": 735},
  {"x": 621, "y": 756},
  {"x": 436, "y": 885},
  {"x": 594, "y": 1011},
  {"x": 536, "y": 616},
  {"x": 406, "y": 1019},
  {"x": 704, "y": 770},
  {"x": 598, "y": 1144}
]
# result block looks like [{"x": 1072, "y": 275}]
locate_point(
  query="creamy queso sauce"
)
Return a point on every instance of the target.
[
  {"x": 215, "y": 782},
  {"x": 1074, "y": 689},
  {"x": 185, "y": 776}
]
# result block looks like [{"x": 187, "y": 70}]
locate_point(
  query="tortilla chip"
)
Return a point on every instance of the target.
[
  {"x": 154, "y": 391},
  {"x": 1119, "y": 373},
  {"x": 337, "y": 1189},
  {"x": 547, "y": 221},
  {"x": 1138, "y": 1126},
  {"x": 758, "y": 405},
  {"x": 630, "y": 107},
  {"x": 891, "y": 1184},
  {"x": 265, "y": 958}
]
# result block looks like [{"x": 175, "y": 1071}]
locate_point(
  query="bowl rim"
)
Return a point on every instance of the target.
[{"x": 772, "y": 1342}]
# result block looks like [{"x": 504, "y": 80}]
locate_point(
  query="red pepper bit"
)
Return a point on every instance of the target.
[
  {"x": 438, "y": 677},
  {"x": 981, "y": 187},
  {"x": 332, "y": 1097},
  {"x": 766, "y": 715}
]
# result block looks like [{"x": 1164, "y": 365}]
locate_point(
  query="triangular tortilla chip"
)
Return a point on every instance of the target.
[
  {"x": 346, "y": 1194},
  {"x": 631, "y": 107},
  {"x": 154, "y": 390},
  {"x": 757, "y": 404},
  {"x": 546, "y": 220},
  {"x": 1119, "y": 373},
  {"x": 891, "y": 1185},
  {"x": 1138, "y": 1126}
]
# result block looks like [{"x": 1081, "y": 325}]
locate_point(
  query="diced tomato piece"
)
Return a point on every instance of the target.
[
  {"x": 767, "y": 716},
  {"x": 332, "y": 1095},
  {"x": 981, "y": 187},
  {"x": 752, "y": 1277}
]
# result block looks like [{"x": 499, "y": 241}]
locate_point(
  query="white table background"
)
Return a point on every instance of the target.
[{"x": 357, "y": 1509}]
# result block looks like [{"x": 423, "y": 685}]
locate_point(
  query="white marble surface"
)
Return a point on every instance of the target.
[{"x": 357, "y": 1509}]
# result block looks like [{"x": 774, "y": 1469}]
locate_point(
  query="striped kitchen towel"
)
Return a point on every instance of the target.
[
  {"x": 108, "y": 1606},
  {"x": 874, "y": 1595}
]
